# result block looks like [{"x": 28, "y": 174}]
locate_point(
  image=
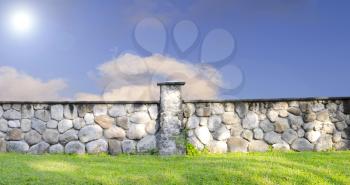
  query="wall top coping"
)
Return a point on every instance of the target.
[
  {"x": 185, "y": 101},
  {"x": 171, "y": 83}
]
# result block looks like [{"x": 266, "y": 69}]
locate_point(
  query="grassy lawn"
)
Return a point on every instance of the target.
[{"x": 250, "y": 168}]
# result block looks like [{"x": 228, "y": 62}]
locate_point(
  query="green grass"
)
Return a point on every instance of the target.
[{"x": 238, "y": 168}]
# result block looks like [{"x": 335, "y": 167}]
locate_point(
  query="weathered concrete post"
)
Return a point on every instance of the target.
[{"x": 171, "y": 138}]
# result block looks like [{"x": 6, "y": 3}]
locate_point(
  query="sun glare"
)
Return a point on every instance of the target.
[{"x": 21, "y": 21}]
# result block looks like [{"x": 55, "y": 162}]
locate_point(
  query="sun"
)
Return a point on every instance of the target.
[{"x": 21, "y": 21}]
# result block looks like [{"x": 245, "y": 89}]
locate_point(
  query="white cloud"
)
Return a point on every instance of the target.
[
  {"x": 18, "y": 86},
  {"x": 131, "y": 77}
]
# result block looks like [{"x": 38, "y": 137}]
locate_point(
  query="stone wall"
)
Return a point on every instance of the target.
[
  {"x": 78, "y": 128},
  {"x": 167, "y": 126},
  {"x": 257, "y": 126}
]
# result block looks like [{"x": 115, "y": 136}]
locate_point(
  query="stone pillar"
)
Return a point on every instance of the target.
[{"x": 171, "y": 138}]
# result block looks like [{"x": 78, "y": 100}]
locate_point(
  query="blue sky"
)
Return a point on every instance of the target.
[{"x": 284, "y": 48}]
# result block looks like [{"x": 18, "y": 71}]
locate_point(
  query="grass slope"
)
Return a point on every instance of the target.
[{"x": 238, "y": 168}]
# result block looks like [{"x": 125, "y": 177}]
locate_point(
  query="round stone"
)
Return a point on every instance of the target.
[
  {"x": 74, "y": 147},
  {"x": 51, "y": 136},
  {"x": 97, "y": 146},
  {"x": 114, "y": 132},
  {"x": 89, "y": 133}
]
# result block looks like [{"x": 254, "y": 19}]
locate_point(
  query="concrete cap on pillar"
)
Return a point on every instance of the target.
[{"x": 171, "y": 83}]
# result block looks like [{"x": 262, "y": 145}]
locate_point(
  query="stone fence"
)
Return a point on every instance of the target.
[{"x": 168, "y": 126}]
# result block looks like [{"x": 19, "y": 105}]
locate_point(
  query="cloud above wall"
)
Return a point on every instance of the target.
[
  {"x": 19, "y": 86},
  {"x": 132, "y": 77}
]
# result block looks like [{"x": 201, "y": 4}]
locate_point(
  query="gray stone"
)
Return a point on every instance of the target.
[
  {"x": 38, "y": 125},
  {"x": 78, "y": 123},
  {"x": 1, "y": 111},
  {"x": 153, "y": 112},
  {"x": 295, "y": 121},
  {"x": 328, "y": 127},
  {"x": 272, "y": 115},
  {"x": 56, "y": 149},
  {"x": 146, "y": 144},
  {"x": 316, "y": 107},
  {"x": 89, "y": 119},
  {"x": 129, "y": 146},
  {"x": 189, "y": 109},
  {"x": 267, "y": 126},
  {"x": 236, "y": 130},
  {"x": 195, "y": 142},
  {"x": 3, "y": 125},
  {"x": 324, "y": 143},
  {"x": 218, "y": 147},
  {"x": 74, "y": 147},
  {"x": 281, "y": 125},
  {"x": 229, "y": 107},
  {"x": 11, "y": 114},
  {"x": 192, "y": 122},
  {"x": 258, "y": 133},
  {"x": 258, "y": 146},
  {"x": 83, "y": 109},
  {"x": 43, "y": 115},
  {"x": 203, "y": 110},
  {"x": 272, "y": 138},
  {"x": 100, "y": 110},
  {"x": 26, "y": 125},
  {"x": 230, "y": 118},
  {"x": 309, "y": 126},
  {"x": 68, "y": 136},
  {"x": 332, "y": 107},
  {"x": 57, "y": 112},
  {"x": 217, "y": 108},
  {"x": 203, "y": 134},
  {"x": 281, "y": 147},
  {"x": 336, "y": 137},
  {"x": 17, "y": 146},
  {"x": 32, "y": 137},
  {"x": 222, "y": 133},
  {"x": 289, "y": 136},
  {"x": 203, "y": 121},
  {"x": 342, "y": 145},
  {"x": 237, "y": 144},
  {"x": 2, "y": 145},
  {"x": 214, "y": 122},
  {"x": 64, "y": 125},
  {"x": 122, "y": 122},
  {"x": 322, "y": 116},
  {"x": 39, "y": 148},
  {"x": 97, "y": 146},
  {"x": 70, "y": 111},
  {"x": 341, "y": 125},
  {"x": 114, "y": 132},
  {"x": 251, "y": 121},
  {"x": 114, "y": 147},
  {"x": 242, "y": 109},
  {"x": 302, "y": 144},
  {"x": 300, "y": 132},
  {"x": 117, "y": 111},
  {"x": 51, "y": 136},
  {"x": 52, "y": 124},
  {"x": 283, "y": 113},
  {"x": 14, "y": 123},
  {"x": 294, "y": 110},
  {"x": 309, "y": 117},
  {"x": 152, "y": 127},
  {"x": 2, "y": 135},
  {"x": 27, "y": 111},
  {"x": 247, "y": 134},
  {"x": 130, "y": 108},
  {"x": 40, "y": 106},
  {"x": 89, "y": 133},
  {"x": 16, "y": 106},
  {"x": 136, "y": 131},
  {"x": 312, "y": 136},
  {"x": 139, "y": 118},
  {"x": 6, "y": 106}
]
